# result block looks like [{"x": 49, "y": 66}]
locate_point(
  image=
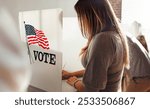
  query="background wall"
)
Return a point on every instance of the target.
[
  {"x": 66, "y": 5},
  {"x": 136, "y": 11},
  {"x": 117, "y": 5},
  {"x": 72, "y": 44},
  {"x": 27, "y": 5}
]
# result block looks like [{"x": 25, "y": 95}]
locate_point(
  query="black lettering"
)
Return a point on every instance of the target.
[
  {"x": 61, "y": 102},
  {"x": 48, "y": 102},
  {"x": 16, "y": 102},
  {"x": 34, "y": 101},
  {"x": 67, "y": 101},
  {"x": 40, "y": 102},
  {"x": 21, "y": 101},
  {"x": 52, "y": 59},
  {"x": 46, "y": 57},
  {"x": 44, "y": 102},
  {"x": 35, "y": 54},
  {"x": 56, "y": 102},
  {"x": 40, "y": 56},
  {"x": 52, "y": 101}
]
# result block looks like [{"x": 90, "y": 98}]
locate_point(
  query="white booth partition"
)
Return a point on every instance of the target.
[{"x": 46, "y": 63}]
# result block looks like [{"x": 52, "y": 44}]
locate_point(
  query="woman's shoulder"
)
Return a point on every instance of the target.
[
  {"x": 106, "y": 36},
  {"x": 107, "y": 33}
]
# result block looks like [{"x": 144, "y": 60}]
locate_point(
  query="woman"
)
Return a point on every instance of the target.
[
  {"x": 106, "y": 53},
  {"x": 137, "y": 77},
  {"x": 142, "y": 40}
]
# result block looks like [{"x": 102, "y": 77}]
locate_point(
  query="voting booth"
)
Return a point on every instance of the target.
[{"x": 45, "y": 56}]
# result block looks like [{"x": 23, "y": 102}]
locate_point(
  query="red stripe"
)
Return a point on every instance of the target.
[
  {"x": 39, "y": 39},
  {"x": 45, "y": 44},
  {"x": 32, "y": 43},
  {"x": 31, "y": 37},
  {"x": 40, "y": 35},
  {"x": 32, "y": 40}
]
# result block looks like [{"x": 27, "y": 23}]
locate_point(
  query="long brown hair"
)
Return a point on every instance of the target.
[{"x": 94, "y": 16}]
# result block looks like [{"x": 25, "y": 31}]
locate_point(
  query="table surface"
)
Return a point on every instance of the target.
[{"x": 66, "y": 87}]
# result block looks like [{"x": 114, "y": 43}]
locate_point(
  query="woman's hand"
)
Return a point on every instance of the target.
[
  {"x": 66, "y": 74},
  {"x": 72, "y": 81},
  {"x": 76, "y": 83}
]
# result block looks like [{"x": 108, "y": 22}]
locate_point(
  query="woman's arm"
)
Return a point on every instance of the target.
[
  {"x": 79, "y": 73},
  {"x": 66, "y": 74},
  {"x": 76, "y": 83}
]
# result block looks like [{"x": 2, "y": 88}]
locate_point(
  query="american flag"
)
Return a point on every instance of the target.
[{"x": 35, "y": 36}]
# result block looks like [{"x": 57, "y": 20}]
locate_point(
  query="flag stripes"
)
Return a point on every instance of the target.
[{"x": 35, "y": 36}]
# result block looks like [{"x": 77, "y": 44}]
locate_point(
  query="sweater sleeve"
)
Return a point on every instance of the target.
[{"x": 100, "y": 57}]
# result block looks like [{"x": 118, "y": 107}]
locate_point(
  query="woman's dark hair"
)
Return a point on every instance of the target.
[
  {"x": 94, "y": 16},
  {"x": 142, "y": 40}
]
